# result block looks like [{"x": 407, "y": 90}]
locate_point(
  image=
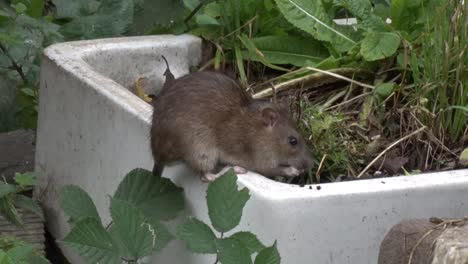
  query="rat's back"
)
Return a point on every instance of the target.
[{"x": 187, "y": 112}]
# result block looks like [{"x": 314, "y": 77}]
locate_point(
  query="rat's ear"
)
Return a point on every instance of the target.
[{"x": 270, "y": 116}]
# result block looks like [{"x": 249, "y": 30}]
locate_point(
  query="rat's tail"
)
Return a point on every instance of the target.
[
  {"x": 168, "y": 74},
  {"x": 157, "y": 170}
]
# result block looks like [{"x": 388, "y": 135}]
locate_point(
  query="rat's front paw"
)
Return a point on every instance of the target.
[{"x": 291, "y": 172}]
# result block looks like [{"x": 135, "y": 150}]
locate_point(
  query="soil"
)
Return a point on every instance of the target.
[{"x": 17, "y": 150}]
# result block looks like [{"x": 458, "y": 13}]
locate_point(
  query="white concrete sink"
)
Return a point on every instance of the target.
[{"x": 92, "y": 131}]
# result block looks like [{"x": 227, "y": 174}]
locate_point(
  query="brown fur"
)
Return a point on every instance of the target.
[{"x": 206, "y": 120}]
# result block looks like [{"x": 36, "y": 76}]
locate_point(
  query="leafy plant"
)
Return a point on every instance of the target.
[
  {"x": 138, "y": 208},
  {"x": 11, "y": 198},
  {"x": 15, "y": 251},
  {"x": 225, "y": 205}
]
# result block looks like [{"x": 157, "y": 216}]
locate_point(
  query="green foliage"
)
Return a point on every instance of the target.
[
  {"x": 11, "y": 198},
  {"x": 225, "y": 202},
  {"x": 136, "y": 231},
  {"x": 136, "y": 208},
  {"x": 225, "y": 206},
  {"x": 377, "y": 46},
  {"x": 15, "y": 251}
]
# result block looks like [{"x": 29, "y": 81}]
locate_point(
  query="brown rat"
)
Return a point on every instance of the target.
[{"x": 208, "y": 121}]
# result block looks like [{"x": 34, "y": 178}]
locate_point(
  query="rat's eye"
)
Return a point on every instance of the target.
[{"x": 292, "y": 140}]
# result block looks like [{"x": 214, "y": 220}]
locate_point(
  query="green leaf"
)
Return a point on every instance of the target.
[
  {"x": 75, "y": 8},
  {"x": 376, "y": 46},
  {"x": 8, "y": 210},
  {"x": 6, "y": 189},
  {"x": 77, "y": 204},
  {"x": 290, "y": 50},
  {"x": 225, "y": 202},
  {"x": 20, "y": 252},
  {"x": 132, "y": 229},
  {"x": 384, "y": 89},
  {"x": 34, "y": 7},
  {"x": 150, "y": 14},
  {"x": 232, "y": 251},
  {"x": 163, "y": 236},
  {"x": 312, "y": 17},
  {"x": 197, "y": 236},
  {"x": 28, "y": 92},
  {"x": 249, "y": 240},
  {"x": 89, "y": 238},
  {"x": 255, "y": 54},
  {"x": 26, "y": 179},
  {"x": 269, "y": 255},
  {"x": 113, "y": 18},
  {"x": 20, "y": 8},
  {"x": 158, "y": 198},
  {"x": 362, "y": 9},
  {"x": 28, "y": 204}
]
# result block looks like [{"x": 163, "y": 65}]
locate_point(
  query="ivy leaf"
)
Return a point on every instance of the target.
[
  {"x": 379, "y": 45},
  {"x": 197, "y": 236},
  {"x": 269, "y": 255},
  {"x": 158, "y": 198},
  {"x": 132, "y": 229},
  {"x": 249, "y": 240},
  {"x": 89, "y": 238},
  {"x": 232, "y": 251},
  {"x": 225, "y": 202},
  {"x": 312, "y": 17},
  {"x": 77, "y": 204}
]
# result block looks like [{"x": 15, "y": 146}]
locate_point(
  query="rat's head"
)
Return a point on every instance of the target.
[{"x": 281, "y": 142}]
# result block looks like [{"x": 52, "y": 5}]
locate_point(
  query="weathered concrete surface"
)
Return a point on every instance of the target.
[{"x": 92, "y": 131}]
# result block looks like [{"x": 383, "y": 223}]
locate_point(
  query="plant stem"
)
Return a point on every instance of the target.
[
  {"x": 221, "y": 237},
  {"x": 195, "y": 10},
  {"x": 15, "y": 65}
]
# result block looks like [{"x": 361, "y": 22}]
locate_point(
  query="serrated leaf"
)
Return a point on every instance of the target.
[
  {"x": 231, "y": 251},
  {"x": 225, "y": 202},
  {"x": 77, "y": 204},
  {"x": 269, "y": 255},
  {"x": 379, "y": 45},
  {"x": 6, "y": 189},
  {"x": 27, "y": 178},
  {"x": 24, "y": 202},
  {"x": 89, "y": 238},
  {"x": 158, "y": 198},
  {"x": 113, "y": 18},
  {"x": 384, "y": 89},
  {"x": 290, "y": 50},
  {"x": 132, "y": 229},
  {"x": 197, "y": 236},
  {"x": 249, "y": 240},
  {"x": 162, "y": 233},
  {"x": 311, "y": 17}
]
